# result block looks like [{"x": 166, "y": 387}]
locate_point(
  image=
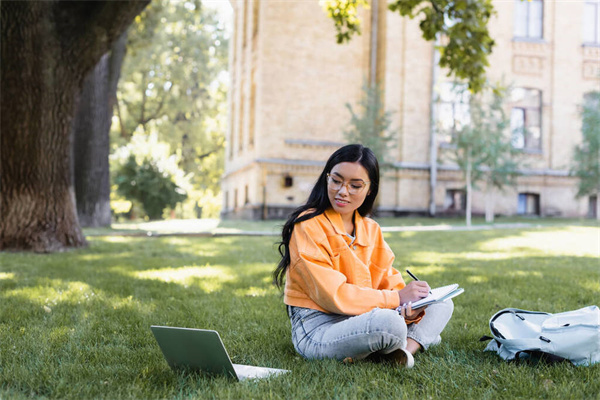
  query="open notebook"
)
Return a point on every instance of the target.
[{"x": 438, "y": 295}]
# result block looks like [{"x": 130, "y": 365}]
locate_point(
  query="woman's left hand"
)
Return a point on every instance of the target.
[{"x": 408, "y": 313}]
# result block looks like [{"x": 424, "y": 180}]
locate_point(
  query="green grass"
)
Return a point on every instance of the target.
[{"x": 76, "y": 324}]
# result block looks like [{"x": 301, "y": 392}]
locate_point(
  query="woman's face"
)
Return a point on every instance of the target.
[{"x": 352, "y": 176}]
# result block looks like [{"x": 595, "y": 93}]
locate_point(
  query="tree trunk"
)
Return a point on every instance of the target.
[
  {"x": 91, "y": 138},
  {"x": 47, "y": 49},
  {"x": 489, "y": 204},
  {"x": 469, "y": 190}
]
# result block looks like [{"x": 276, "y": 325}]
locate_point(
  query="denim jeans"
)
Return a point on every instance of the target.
[{"x": 318, "y": 335}]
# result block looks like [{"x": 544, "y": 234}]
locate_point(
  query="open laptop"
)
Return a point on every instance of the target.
[{"x": 203, "y": 350}]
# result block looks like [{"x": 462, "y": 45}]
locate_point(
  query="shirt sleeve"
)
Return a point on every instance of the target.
[{"x": 326, "y": 285}]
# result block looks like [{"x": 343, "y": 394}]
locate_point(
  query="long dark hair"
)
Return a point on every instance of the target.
[{"x": 318, "y": 201}]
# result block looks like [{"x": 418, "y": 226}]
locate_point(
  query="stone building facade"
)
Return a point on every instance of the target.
[{"x": 290, "y": 83}]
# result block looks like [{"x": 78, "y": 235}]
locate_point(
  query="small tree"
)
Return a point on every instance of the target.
[
  {"x": 483, "y": 150},
  {"x": 145, "y": 171},
  {"x": 586, "y": 156},
  {"x": 150, "y": 186},
  {"x": 370, "y": 126}
]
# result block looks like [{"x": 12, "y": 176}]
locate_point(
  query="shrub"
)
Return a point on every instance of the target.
[{"x": 146, "y": 183}]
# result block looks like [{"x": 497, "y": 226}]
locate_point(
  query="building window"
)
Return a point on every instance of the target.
[
  {"x": 591, "y": 22},
  {"x": 529, "y": 204},
  {"x": 529, "y": 17},
  {"x": 452, "y": 110},
  {"x": 455, "y": 200},
  {"x": 246, "y": 195},
  {"x": 235, "y": 199},
  {"x": 526, "y": 119},
  {"x": 226, "y": 200}
]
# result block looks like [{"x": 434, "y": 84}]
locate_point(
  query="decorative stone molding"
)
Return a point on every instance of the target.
[
  {"x": 312, "y": 143},
  {"x": 591, "y": 52},
  {"x": 530, "y": 47},
  {"x": 591, "y": 70},
  {"x": 529, "y": 65}
]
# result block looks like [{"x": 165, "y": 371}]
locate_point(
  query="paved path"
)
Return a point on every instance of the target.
[{"x": 232, "y": 232}]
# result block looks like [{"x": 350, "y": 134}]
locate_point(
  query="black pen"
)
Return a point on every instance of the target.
[{"x": 415, "y": 278}]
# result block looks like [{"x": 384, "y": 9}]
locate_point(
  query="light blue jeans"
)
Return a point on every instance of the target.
[{"x": 318, "y": 335}]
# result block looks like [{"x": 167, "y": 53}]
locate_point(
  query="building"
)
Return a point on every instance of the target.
[{"x": 290, "y": 83}]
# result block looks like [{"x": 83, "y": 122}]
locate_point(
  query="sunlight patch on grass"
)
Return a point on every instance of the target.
[
  {"x": 574, "y": 241},
  {"x": 117, "y": 239},
  {"x": 478, "y": 279},
  {"x": 7, "y": 275},
  {"x": 53, "y": 292},
  {"x": 428, "y": 257},
  {"x": 521, "y": 274},
  {"x": 209, "y": 278},
  {"x": 593, "y": 285},
  {"x": 252, "y": 292},
  {"x": 92, "y": 257}
]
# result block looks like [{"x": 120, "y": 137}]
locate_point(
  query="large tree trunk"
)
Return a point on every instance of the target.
[
  {"x": 47, "y": 49},
  {"x": 91, "y": 138}
]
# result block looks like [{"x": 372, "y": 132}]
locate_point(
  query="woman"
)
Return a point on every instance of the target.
[{"x": 341, "y": 290}]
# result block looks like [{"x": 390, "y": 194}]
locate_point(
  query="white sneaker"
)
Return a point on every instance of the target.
[{"x": 404, "y": 357}]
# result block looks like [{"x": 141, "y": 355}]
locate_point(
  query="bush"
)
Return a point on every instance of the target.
[{"x": 146, "y": 183}]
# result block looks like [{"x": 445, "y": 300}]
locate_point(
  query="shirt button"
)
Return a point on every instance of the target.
[{"x": 353, "y": 247}]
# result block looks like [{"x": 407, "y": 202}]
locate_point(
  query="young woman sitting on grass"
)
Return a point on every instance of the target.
[{"x": 341, "y": 290}]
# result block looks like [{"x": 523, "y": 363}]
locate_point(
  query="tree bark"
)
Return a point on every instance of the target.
[
  {"x": 91, "y": 138},
  {"x": 47, "y": 49}
]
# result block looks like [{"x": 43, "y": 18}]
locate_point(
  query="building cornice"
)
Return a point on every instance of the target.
[{"x": 313, "y": 143}]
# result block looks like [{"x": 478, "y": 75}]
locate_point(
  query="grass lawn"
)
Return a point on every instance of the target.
[{"x": 76, "y": 324}]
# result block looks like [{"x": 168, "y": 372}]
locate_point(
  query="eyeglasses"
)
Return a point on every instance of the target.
[{"x": 353, "y": 187}]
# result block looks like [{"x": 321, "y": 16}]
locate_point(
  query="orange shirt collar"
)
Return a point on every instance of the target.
[{"x": 338, "y": 225}]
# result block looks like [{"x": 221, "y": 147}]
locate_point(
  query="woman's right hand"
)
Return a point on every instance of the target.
[{"x": 415, "y": 290}]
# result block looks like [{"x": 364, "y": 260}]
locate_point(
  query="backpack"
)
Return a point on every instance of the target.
[{"x": 572, "y": 335}]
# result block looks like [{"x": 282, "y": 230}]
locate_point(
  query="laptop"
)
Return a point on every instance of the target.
[{"x": 203, "y": 350}]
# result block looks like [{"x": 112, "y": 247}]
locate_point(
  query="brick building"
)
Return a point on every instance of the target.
[{"x": 290, "y": 82}]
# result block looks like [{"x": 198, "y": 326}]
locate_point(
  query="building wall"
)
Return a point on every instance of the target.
[{"x": 291, "y": 82}]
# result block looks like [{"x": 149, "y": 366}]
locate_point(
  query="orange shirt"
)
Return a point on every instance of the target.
[{"x": 329, "y": 273}]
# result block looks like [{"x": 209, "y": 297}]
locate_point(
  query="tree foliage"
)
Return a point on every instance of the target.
[
  {"x": 370, "y": 125},
  {"x": 586, "y": 156},
  {"x": 461, "y": 24},
  {"x": 173, "y": 84}
]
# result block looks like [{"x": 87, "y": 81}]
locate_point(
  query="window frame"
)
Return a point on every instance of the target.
[
  {"x": 596, "y": 27},
  {"x": 528, "y": 4},
  {"x": 460, "y": 98},
  {"x": 527, "y": 111}
]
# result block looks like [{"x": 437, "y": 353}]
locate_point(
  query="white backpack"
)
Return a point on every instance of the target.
[{"x": 572, "y": 335}]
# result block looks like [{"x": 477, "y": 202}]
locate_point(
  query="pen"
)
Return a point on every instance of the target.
[{"x": 415, "y": 278}]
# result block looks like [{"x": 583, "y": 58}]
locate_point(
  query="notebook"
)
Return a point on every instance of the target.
[
  {"x": 438, "y": 295},
  {"x": 203, "y": 350}
]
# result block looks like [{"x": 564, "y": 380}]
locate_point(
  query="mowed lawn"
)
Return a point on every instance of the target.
[{"x": 77, "y": 324}]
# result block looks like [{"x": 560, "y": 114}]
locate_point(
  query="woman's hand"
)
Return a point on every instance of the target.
[
  {"x": 408, "y": 313},
  {"x": 415, "y": 290}
]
